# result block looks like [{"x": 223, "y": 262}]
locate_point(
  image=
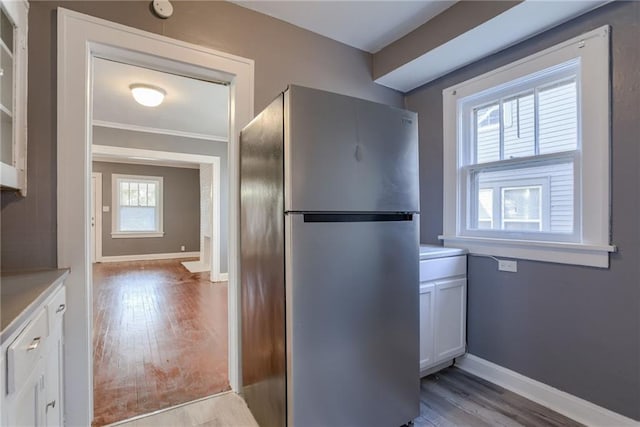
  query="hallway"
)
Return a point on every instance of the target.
[{"x": 159, "y": 337}]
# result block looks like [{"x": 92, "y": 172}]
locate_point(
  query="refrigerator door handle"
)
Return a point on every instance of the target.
[{"x": 357, "y": 217}]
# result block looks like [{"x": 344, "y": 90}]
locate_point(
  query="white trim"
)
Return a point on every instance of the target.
[
  {"x": 135, "y": 235},
  {"x": 98, "y": 216},
  {"x": 559, "y": 401},
  {"x": 80, "y": 39},
  {"x": 556, "y": 252},
  {"x": 109, "y": 150},
  {"x": 150, "y": 257},
  {"x": 123, "y": 155},
  {"x": 129, "y": 161},
  {"x": 148, "y": 129},
  {"x": 223, "y": 277},
  {"x": 592, "y": 227},
  {"x": 115, "y": 206}
]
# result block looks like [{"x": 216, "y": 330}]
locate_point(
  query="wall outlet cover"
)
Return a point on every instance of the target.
[
  {"x": 506, "y": 265},
  {"x": 105, "y": 209},
  {"x": 182, "y": 248}
]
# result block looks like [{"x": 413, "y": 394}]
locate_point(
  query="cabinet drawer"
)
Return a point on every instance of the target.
[
  {"x": 25, "y": 352},
  {"x": 56, "y": 308},
  {"x": 440, "y": 268}
]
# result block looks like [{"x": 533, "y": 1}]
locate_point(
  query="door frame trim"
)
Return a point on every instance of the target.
[
  {"x": 104, "y": 151},
  {"x": 80, "y": 39},
  {"x": 98, "y": 216}
]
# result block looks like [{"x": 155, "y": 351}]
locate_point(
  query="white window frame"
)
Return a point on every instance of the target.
[
  {"x": 115, "y": 203},
  {"x": 590, "y": 243}
]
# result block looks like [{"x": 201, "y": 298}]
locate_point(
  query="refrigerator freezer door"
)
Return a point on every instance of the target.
[
  {"x": 352, "y": 322},
  {"x": 262, "y": 266},
  {"x": 345, "y": 154}
]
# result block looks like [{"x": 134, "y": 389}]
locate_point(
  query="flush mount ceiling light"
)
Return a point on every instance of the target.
[{"x": 147, "y": 95}]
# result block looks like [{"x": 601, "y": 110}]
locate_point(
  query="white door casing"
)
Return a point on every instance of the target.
[
  {"x": 96, "y": 217},
  {"x": 80, "y": 39}
]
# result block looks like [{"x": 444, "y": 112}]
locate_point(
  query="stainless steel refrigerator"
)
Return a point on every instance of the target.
[{"x": 329, "y": 262}]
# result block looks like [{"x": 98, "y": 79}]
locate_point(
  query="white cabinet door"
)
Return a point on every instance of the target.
[
  {"x": 450, "y": 318},
  {"x": 427, "y": 326},
  {"x": 26, "y": 407},
  {"x": 53, "y": 388}
]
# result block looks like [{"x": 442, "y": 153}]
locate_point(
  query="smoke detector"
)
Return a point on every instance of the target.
[{"x": 162, "y": 8}]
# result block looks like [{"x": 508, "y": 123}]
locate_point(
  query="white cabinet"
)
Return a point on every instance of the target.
[
  {"x": 13, "y": 94},
  {"x": 443, "y": 307},
  {"x": 54, "y": 361},
  {"x": 33, "y": 355}
]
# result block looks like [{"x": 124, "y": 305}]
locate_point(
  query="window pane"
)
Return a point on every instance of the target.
[
  {"x": 549, "y": 183},
  {"x": 142, "y": 194},
  {"x": 133, "y": 193},
  {"x": 485, "y": 208},
  {"x": 487, "y": 121},
  {"x": 521, "y": 203},
  {"x": 137, "y": 219},
  {"x": 519, "y": 126},
  {"x": 6, "y": 30},
  {"x": 124, "y": 194},
  {"x": 6, "y": 138},
  {"x": 6, "y": 80},
  {"x": 151, "y": 194},
  {"x": 558, "y": 118},
  {"x": 522, "y": 225}
]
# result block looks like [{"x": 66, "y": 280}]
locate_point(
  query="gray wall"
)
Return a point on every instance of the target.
[
  {"x": 181, "y": 210},
  {"x": 283, "y": 54},
  {"x": 574, "y": 328},
  {"x": 149, "y": 141}
]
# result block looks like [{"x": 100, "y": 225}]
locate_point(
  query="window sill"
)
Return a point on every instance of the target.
[
  {"x": 562, "y": 253},
  {"x": 122, "y": 235}
]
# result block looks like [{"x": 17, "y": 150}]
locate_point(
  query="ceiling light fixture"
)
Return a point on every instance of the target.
[{"x": 147, "y": 95}]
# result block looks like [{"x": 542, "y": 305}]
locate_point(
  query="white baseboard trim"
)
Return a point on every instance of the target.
[
  {"x": 564, "y": 403},
  {"x": 149, "y": 257},
  {"x": 223, "y": 277}
]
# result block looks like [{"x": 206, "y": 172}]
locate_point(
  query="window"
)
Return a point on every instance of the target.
[
  {"x": 137, "y": 206},
  {"x": 526, "y": 164}
]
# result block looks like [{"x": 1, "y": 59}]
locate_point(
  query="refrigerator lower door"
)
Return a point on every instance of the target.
[{"x": 352, "y": 320}]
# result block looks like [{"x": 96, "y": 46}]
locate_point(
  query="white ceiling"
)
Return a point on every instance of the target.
[
  {"x": 191, "y": 108},
  {"x": 367, "y": 25}
]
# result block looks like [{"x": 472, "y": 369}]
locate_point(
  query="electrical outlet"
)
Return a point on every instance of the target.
[
  {"x": 505, "y": 265},
  {"x": 105, "y": 209},
  {"x": 182, "y": 248}
]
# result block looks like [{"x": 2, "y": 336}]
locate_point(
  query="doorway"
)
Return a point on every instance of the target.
[
  {"x": 160, "y": 313},
  {"x": 81, "y": 39}
]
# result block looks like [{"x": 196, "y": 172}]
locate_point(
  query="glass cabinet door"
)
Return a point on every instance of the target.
[
  {"x": 13, "y": 94},
  {"x": 7, "y": 30}
]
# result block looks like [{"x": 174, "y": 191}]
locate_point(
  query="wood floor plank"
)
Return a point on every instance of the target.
[
  {"x": 486, "y": 403},
  {"x": 160, "y": 338}
]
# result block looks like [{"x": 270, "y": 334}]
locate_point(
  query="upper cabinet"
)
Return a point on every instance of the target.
[{"x": 13, "y": 94}]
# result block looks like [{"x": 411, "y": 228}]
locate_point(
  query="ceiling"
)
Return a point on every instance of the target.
[
  {"x": 366, "y": 25},
  {"x": 192, "y": 108}
]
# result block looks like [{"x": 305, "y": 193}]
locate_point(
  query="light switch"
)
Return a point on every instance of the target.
[{"x": 105, "y": 209}]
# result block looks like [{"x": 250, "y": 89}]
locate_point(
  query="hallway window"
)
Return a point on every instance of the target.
[{"x": 137, "y": 206}]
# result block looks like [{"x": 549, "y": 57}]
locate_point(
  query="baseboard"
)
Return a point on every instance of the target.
[
  {"x": 564, "y": 403},
  {"x": 149, "y": 257},
  {"x": 222, "y": 277}
]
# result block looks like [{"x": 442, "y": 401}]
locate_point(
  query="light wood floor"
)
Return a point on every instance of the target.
[
  {"x": 450, "y": 398},
  {"x": 160, "y": 338},
  {"x": 223, "y": 410},
  {"x": 455, "y": 398}
]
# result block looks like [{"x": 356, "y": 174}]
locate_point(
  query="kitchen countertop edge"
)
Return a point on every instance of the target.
[{"x": 21, "y": 318}]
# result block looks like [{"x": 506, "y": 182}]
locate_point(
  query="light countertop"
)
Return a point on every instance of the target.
[
  {"x": 21, "y": 293},
  {"x": 434, "y": 251}
]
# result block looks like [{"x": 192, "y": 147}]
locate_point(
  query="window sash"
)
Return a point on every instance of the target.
[
  {"x": 127, "y": 194},
  {"x": 468, "y": 208}
]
